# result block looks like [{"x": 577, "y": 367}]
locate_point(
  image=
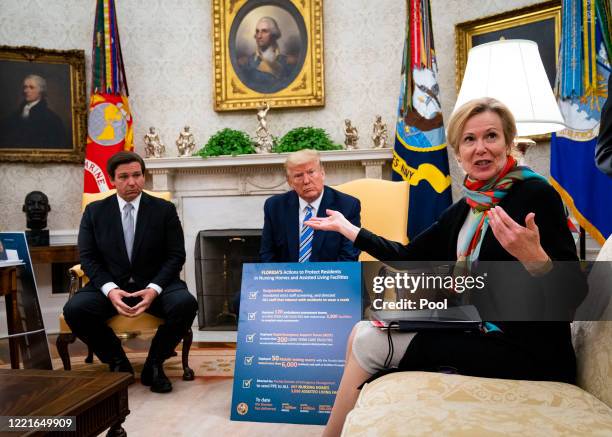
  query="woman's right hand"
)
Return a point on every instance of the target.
[{"x": 336, "y": 222}]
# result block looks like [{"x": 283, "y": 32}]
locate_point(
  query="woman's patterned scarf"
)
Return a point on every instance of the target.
[{"x": 482, "y": 196}]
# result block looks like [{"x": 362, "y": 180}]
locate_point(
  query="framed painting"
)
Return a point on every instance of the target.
[
  {"x": 268, "y": 51},
  {"x": 42, "y": 105},
  {"x": 540, "y": 23}
]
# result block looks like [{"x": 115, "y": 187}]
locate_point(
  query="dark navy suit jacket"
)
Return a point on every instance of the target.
[
  {"x": 280, "y": 239},
  {"x": 159, "y": 249},
  {"x": 42, "y": 129}
]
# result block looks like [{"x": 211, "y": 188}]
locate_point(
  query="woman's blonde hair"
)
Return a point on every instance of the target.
[{"x": 475, "y": 107}]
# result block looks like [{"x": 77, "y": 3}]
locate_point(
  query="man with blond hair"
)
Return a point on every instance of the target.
[{"x": 284, "y": 236}]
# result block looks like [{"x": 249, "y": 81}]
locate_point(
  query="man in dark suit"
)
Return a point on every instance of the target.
[
  {"x": 34, "y": 124},
  {"x": 284, "y": 238},
  {"x": 132, "y": 248}
]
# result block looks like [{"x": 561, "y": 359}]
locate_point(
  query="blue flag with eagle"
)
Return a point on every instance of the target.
[
  {"x": 583, "y": 71},
  {"x": 420, "y": 155}
]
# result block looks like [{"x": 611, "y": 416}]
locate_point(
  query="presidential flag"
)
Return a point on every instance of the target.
[
  {"x": 420, "y": 155},
  {"x": 583, "y": 71},
  {"x": 109, "y": 125}
]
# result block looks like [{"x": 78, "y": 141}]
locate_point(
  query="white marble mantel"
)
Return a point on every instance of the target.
[
  {"x": 228, "y": 192},
  {"x": 164, "y": 171}
]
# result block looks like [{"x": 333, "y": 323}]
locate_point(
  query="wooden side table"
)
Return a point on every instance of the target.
[
  {"x": 24, "y": 320},
  {"x": 99, "y": 400},
  {"x": 8, "y": 289},
  {"x": 61, "y": 258},
  {"x": 55, "y": 254}
]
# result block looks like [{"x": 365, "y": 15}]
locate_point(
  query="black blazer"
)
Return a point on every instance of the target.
[
  {"x": 158, "y": 254},
  {"x": 280, "y": 239},
  {"x": 43, "y": 128},
  {"x": 603, "y": 149},
  {"x": 550, "y": 342}
]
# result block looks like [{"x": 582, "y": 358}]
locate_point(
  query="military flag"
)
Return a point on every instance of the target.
[
  {"x": 109, "y": 125},
  {"x": 583, "y": 71},
  {"x": 420, "y": 156}
]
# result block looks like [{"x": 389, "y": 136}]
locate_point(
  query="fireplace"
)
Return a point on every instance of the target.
[
  {"x": 228, "y": 192},
  {"x": 219, "y": 255}
]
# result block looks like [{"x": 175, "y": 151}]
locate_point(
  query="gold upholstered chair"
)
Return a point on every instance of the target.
[
  {"x": 124, "y": 327},
  {"x": 384, "y": 211},
  {"x": 384, "y": 208}
]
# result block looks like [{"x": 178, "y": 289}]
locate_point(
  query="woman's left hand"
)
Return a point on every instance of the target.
[{"x": 522, "y": 242}]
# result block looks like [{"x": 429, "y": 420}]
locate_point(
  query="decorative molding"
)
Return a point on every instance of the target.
[
  {"x": 248, "y": 168},
  {"x": 242, "y": 183},
  {"x": 159, "y": 171},
  {"x": 281, "y": 181},
  {"x": 63, "y": 237},
  {"x": 328, "y": 157},
  {"x": 370, "y": 163},
  {"x": 373, "y": 168}
]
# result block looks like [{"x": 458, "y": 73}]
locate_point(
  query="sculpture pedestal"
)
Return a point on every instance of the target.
[{"x": 37, "y": 237}]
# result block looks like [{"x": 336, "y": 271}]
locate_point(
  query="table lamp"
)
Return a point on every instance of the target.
[{"x": 512, "y": 72}]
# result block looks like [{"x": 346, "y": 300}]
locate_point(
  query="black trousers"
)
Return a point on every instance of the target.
[
  {"x": 88, "y": 310},
  {"x": 494, "y": 355}
]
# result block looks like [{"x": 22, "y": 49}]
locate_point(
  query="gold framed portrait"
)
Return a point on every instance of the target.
[
  {"x": 43, "y": 112},
  {"x": 540, "y": 23},
  {"x": 268, "y": 51}
]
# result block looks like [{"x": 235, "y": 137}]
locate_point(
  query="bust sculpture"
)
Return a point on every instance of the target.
[{"x": 36, "y": 206}]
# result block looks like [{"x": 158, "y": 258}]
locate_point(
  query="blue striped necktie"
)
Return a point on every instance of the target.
[{"x": 306, "y": 235}]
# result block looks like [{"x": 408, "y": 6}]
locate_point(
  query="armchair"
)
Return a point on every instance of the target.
[
  {"x": 423, "y": 403},
  {"x": 384, "y": 208},
  {"x": 384, "y": 211},
  {"x": 124, "y": 327}
]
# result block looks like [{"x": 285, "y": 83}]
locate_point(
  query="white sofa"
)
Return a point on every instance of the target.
[{"x": 432, "y": 404}]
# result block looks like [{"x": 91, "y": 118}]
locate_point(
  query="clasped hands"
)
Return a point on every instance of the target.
[{"x": 116, "y": 296}]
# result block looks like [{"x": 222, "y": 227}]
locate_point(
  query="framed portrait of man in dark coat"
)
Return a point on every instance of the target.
[
  {"x": 268, "y": 50},
  {"x": 42, "y": 102}
]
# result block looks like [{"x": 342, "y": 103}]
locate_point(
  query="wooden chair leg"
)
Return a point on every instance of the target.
[
  {"x": 116, "y": 430},
  {"x": 89, "y": 357},
  {"x": 62, "y": 342},
  {"x": 188, "y": 374}
]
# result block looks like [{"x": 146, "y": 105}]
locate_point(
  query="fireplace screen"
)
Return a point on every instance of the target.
[{"x": 219, "y": 255}]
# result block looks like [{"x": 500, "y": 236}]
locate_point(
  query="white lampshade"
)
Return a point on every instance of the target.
[{"x": 512, "y": 72}]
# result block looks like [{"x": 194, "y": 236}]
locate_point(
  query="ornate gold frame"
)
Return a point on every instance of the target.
[
  {"x": 464, "y": 32},
  {"x": 76, "y": 60},
  {"x": 307, "y": 89}
]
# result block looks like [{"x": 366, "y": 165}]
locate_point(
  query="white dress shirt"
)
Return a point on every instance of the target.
[
  {"x": 106, "y": 288},
  {"x": 27, "y": 107},
  {"x": 302, "y": 212}
]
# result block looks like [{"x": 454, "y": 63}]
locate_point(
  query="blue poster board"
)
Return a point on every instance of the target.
[
  {"x": 27, "y": 331},
  {"x": 294, "y": 323}
]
